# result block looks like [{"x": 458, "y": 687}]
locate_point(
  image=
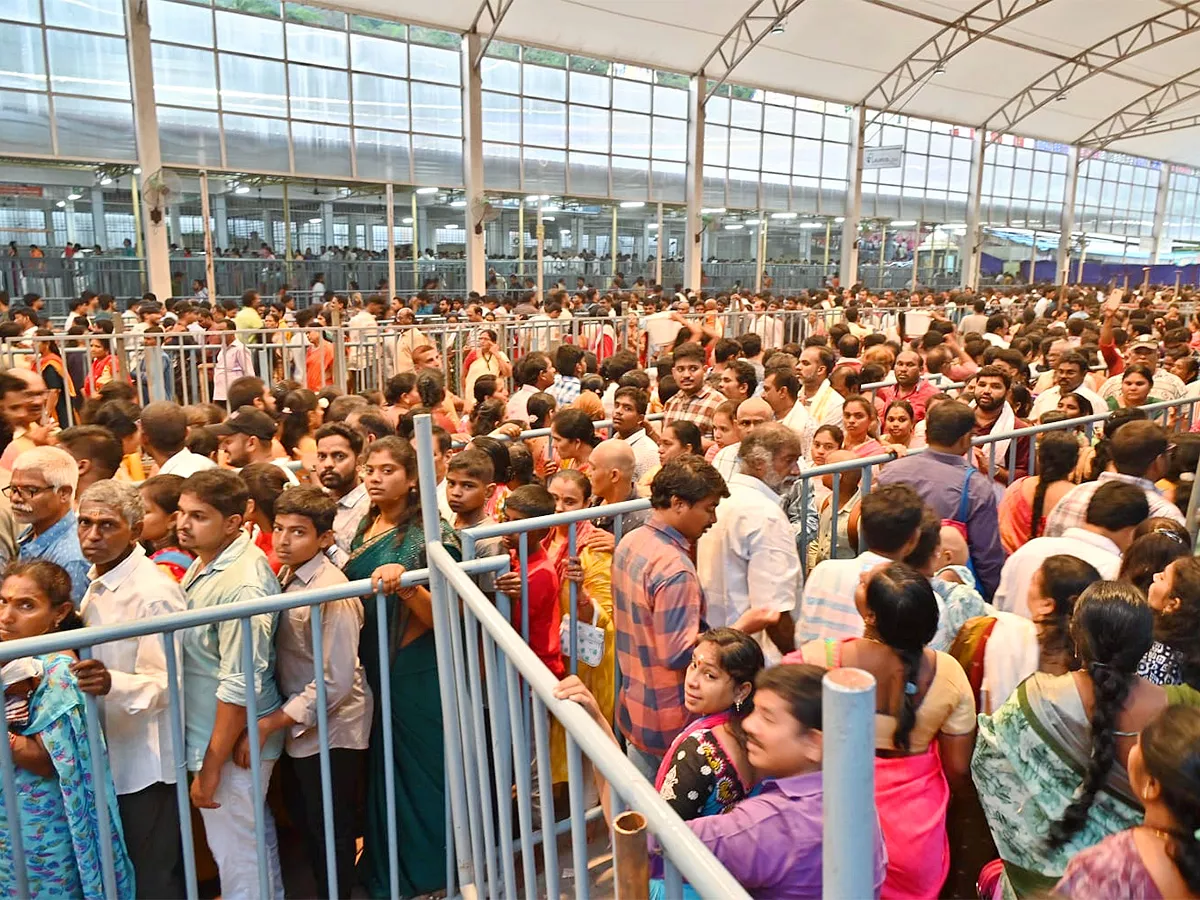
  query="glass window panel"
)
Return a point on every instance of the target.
[
  {"x": 316, "y": 45},
  {"x": 181, "y": 23},
  {"x": 269, "y": 8},
  {"x": 714, "y": 186},
  {"x": 776, "y": 153},
  {"x": 501, "y": 166},
  {"x": 636, "y": 73},
  {"x": 22, "y": 11},
  {"x": 1002, "y": 182},
  {"x": 545, "y": 170},
  {"x": 630, "y": 178},
  {"x": 744, "y": 114},
  {"x": 1058, "y": 187},
  {"x": 253, "y": 85},
  {"x": 592, "y": 89},
  {"x": 22, "y": 63},
  {"x": 436, "y": 109},
  {"x": 311, "y": 15},
  {"x": 669, "y": 181},
  {"x": 381, "y": 102},
  {"x": 588, "y": 174},
  {"x": 960, "y": 175},
  {"x": 744, "y": 148},
  {"x": 837, "y": 128},
  {"x": 94, "y": 128},
  {"x": 589, "y": 129},
  {"x": 670, "y": 139},
  {"x": 87, "y": 15},
  {"x": 961, "y": 148},
  {"x": 1123, "y": 197},
  {"x": 502, "y": 117},
  {"x": 938, "y": 177},
  {"x": 1108, "y": 194},
  {"x": 184, "y": 77},
  {"x": 807, "y": 157},
  {"x": 379, "y": 56},
  {"x": 1021, "y": 183},
  {"x": 256, "y": 143},
  {"x": 777, "y": 99},
  {"x": 809, "y": 125},
  {"x": 321, "y": 149},
  {"x": 434, "y": 64},
  {"x": 717, "y": 110},
  {"x": 939, "y": 145},
  {"x": 1004, "y": 155},
  {"x": 630, "y": 95},
  {"x": 834, "y": 158},
  {"x": 320, "y": 94},
  {"x": 742, "y": 189},
  {"x": 914, "y": 171},
  {"x": 382, "y": 155},
  {"x": 1023, "y": 158},
  {"x": 189, "y": 136},
  {"x": 249, "y": 34},
  {"x": 545, "y": 122},
  {"x": 543, "y": 82},
  {"x": 437, "y": 161},
  {"x": 26, "y": 120},
  {"x": 587, "y": 64},
  {"x": 88, "y": 64},
  {"x": 501, "y": 75},
  {"x": 777, "y": 119},
  {"x": 539, "y": 57},
  {"x": 435, "y": 38},
  {"x": 888, "y": 136},
  {"x": 381, "y": 27},
  {"x": 631, "y": 134},
  {"x": 916, "y": 141},
  {"x": 670, "y": 102},
  {"x": 716, "y": 145}
]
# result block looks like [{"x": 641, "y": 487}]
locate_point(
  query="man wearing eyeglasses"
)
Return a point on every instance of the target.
[{"x": 42, "y": 494}]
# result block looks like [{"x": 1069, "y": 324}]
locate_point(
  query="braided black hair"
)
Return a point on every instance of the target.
[
  {"x": 1057, "y": 453},
  {"x": 1112, "y": 628}
]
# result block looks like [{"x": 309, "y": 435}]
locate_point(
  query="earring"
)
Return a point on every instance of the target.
[{"x": 737, "y": 704}]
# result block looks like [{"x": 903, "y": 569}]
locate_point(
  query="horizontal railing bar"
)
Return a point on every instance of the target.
[{"x": 497, "y": 529}]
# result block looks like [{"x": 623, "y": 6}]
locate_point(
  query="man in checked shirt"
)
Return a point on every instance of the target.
[
  {"x": 658, "y": 607},
  {"x": 696, "y": 402}
]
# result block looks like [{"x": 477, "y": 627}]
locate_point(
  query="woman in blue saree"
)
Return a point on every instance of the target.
[
  {"x": 389, "y": 542},
  {"x": 55, "y": 772}
]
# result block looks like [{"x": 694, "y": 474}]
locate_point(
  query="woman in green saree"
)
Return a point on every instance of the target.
[
  {"x": 1049, "y": 765},
  {"x": 389, "y": 542}
]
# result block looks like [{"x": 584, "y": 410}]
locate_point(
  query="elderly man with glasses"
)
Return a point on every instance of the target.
[{"x": 42, "y": 493}]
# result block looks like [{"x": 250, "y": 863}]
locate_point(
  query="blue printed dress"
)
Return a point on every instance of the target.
[{"x": 60, "y": 830}]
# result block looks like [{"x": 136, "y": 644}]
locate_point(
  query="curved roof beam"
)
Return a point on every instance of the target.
[
  {"x": 1149, "y": 34},
  {"x": 1148, "y": 129},
  {"x": 911, "y": 73},
  {"x": 760, "y": 20},
  {"x": 1143, "y": 111}
]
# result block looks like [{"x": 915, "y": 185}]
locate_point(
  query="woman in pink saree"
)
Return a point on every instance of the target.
[{"x": 924, "y": 722}]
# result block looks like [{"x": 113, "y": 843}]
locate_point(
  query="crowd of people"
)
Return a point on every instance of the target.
[{"x": 822, "y": 493}]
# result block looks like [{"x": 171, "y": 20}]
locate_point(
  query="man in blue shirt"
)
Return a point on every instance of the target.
[
  {"x": 42, "y": 492},
  {"x": 228, "y": 568}
]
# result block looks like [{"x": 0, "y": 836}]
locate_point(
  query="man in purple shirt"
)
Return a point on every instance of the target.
[{"x": 940, "y": 474}]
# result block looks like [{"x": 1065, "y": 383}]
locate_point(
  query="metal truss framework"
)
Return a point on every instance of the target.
[
  {"x": 1149, "y": 34},
  {"x": 495, "y": 10},
  {"x": 1145, "y": 111},
  {"x": 759, "y": 21},
  {"x": 1149, "y": 129},
  {"x": 912, "y": 72}
]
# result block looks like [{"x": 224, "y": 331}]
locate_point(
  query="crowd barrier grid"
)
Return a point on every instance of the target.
[{"x": 170, "y": 627}]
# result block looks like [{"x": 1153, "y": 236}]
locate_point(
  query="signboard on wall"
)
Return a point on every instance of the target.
[
  {"x": 883, "y": 157},
  {"x": 21, "y": 190}
]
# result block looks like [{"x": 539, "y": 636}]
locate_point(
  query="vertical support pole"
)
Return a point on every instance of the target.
[
  {"x": 210, "y": 275},
  {"x": 521, "y": 239},
  {"x": 1178, "y": 278},
  {"x": 1062, "y": 272},
  {"x": 287, "y": 236},
  {"x": 141, "y": 72},
  {"x": 1032, "y": 257},
  {"x": 390, "y": 199},
  {"x": 416, "y": 252},
  {"x": 541, "y": 251},
  {"x": 99, "y": 226},
  {"x": 472, "y": 104},
  {"x": 760, "y": 251},
  {"x": 174, "y": 225},
  {"x": 139, "y": 242},
  {"x": 882, "y": 251},
  {"x": 973, "y": 252},
  {"x": 220, "y": 227},
  {"x": 612, "y": 243},
  {"x": 854, "y": 168},
  {"x": 327, "y": 235},
  {"x": 848, "y": 726},
  {"x": 660, "y": 244},
  {"x": 1160, "y": 213},
  {"x": 1082, "y": 260},
  {"x": 828, "y": 239},
  {"x": 916, "y": 257},
  {"x": 693, "y": 260}
]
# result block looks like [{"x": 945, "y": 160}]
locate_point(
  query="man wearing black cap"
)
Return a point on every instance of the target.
[{"x": 246, "y": 438}]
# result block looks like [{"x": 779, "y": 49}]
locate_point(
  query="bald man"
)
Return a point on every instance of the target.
[
  {"x": 613, "y": 464},
  {"x": 754, "y": 411}
]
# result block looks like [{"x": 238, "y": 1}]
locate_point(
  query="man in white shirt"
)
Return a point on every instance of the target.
[
  {"x": 127, "y": 587},
  {"x": 781, "y": 390},
  {"x": 628, "y": 417},
  {"x": 1115, "y": 510},
  {"x": 163, "y": 427},
  {"x": 1068, "y": 379},
  {"x": 536, "y": 373},
  {"x": 233, "y": 360},
  {"x": 822, "y": 403},
  {"x": 748, "y": 564},
  {"x": 750, "y": 414},
  {"x": 247, "y": 437}
]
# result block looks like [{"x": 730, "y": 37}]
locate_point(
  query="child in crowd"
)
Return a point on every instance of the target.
[
  {"x": 542, "y": 628},
  {"x": 160, "y": 494},
  {"x": 470, "y": 480}
]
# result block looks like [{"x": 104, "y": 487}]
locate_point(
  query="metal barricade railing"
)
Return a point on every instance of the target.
[{"x": 170, "y": 627}]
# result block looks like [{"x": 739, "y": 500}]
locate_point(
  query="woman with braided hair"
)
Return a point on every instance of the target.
[
  {"x": 1050, "y": 764},
  {"x": 924, "y": 721}
]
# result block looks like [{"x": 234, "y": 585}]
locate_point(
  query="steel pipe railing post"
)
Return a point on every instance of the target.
[{"x": 848, "y": 775}]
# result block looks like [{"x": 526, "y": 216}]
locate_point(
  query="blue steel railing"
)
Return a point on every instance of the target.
[{"x": 169, "y": 626}]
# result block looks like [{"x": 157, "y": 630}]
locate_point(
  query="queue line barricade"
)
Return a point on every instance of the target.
[{"x": 171, "y": 628}]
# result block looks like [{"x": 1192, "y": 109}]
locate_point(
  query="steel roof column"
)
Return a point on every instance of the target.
[
  {"x": 848, "y": 272},
  {"x": 472, "y": 103},
  {"x": 1160, "y": 212},
  {"x": 693, "y": 249},
  {"x": 973, "y": 252},
  {"x": 1067, "y": 222}
]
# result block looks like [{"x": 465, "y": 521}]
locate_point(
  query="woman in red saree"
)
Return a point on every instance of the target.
[
  {"x": 924, "y": 722},
  {"x": 104, "y": 368}
]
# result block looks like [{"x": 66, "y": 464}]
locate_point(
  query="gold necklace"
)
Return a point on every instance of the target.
[{"x": 1165, "y": 835}]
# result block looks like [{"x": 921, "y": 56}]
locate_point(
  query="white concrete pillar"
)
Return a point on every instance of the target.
[
  {"x": 848, "y": 270},
  {"x": 220, "y": 221},
  {"x": 693, "y": 252},
  {"x": 973, "y": 249},
  {"x": 176, "y": 230},
  {"x": 141, "y": 71},
  {"x": 1067, "y": 221},
  {"x": 1160, "y": 212},
  {"x": 472, "y": 104},
  {"x": 99, "y": 226},
  {"x": 327, "y": 237}
]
